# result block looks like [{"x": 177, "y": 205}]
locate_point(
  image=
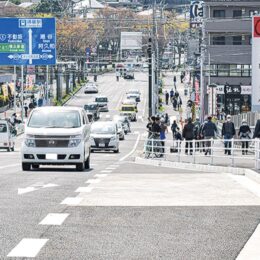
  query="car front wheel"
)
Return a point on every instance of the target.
[
  {"x": 87, "y": 163},
  {"x": 26, "y": 166},
  {"x": 80, "y": 167}
]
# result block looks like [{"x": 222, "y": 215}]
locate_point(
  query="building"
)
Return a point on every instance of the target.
[{"x": 228, "y": 26}]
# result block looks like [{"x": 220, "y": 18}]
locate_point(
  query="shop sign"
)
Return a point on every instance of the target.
[{"x": 232, "y": 90}]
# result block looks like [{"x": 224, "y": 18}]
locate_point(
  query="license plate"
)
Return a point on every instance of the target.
[
  {"x": 101, "y": 145},
  {"x": 51, "y": 156}
]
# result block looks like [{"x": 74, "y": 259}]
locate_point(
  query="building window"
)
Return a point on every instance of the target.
[
  {"x": 235, "y": 70},
  {"x": 230, "y": 70},
  {"x": 237, "y": 13},
  {"x": 219, "y": 40},
  {"x": 246, "y": 70},
  {"x": 237, "y": 40},
  {"x": 219, "y": 13},
  {"x": 223, "y": 70}
]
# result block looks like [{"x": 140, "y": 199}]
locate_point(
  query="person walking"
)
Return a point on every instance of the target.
[
  {"x": 171, "y": 94},
  {"x": 244, "y": 134},
  {"x": 167, "y": 97},
  {"x": 117, "y": 75},
  {"x": 178, "y": 139},
  {"x": 175, "y": 82},
  {"x": 163, "y": 132},
  {"x": 228, "y": 132},
  {"x": 26, "y": 109},
  {"x": 174, "y": 103},
  {"x": 179, "y": 103},
  {"x": 174, "y": 127},
  {"x": 209, "y": 131},
  {"x": 188, "y": 135}
]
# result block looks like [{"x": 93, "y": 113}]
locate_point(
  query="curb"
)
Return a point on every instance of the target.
[{"x": 198, "y": 167}]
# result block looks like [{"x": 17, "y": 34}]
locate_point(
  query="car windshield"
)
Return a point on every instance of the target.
[
  {"x": 3, "y": 128},
  {"x": 90, "y": 107},
  {"x": 103, "y": 129},
  {"x": 59, "y": 119},
  {"x": 101, "y": 99},
  {"x": 128, "y": 109}
]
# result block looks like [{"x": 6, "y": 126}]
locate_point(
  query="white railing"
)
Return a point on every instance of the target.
[{"x": 219, "y": 151}]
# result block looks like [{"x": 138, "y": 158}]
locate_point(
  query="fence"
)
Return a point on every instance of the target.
[{"x": 232, "y": 153}]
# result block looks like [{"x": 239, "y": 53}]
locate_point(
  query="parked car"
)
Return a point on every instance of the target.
[
  {"x": 56, "y": 136},
  {"x": 125, "y": 122},
  {"x": 7, "y": 137},
  {"x": 102, "y": 102},
  {"x": 94, "y": 109},
  {"x": 104, "y": 137},
  {"x": 91, "y": 88}
]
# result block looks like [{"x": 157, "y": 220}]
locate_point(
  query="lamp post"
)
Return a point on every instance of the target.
[{"x": 212, "y": 86}]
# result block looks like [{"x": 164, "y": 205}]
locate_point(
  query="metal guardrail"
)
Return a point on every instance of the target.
[{"x": 232, "y": 156}]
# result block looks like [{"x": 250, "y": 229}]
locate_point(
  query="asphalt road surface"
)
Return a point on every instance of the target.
[{"x": 119, "y": 209}]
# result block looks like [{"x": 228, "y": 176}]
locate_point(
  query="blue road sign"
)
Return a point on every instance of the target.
[{"x": 27, "y": 41}]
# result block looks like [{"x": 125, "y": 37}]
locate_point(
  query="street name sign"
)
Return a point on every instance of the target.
[{"x": 27, "y": 41}]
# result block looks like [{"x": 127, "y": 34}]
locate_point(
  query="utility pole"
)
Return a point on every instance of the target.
[
  {"x": 150, "y": 78},
  {"x": 202, "y": 58}
]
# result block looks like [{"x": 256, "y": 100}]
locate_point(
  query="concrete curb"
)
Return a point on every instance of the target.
[{"x": 198, "y": 167}]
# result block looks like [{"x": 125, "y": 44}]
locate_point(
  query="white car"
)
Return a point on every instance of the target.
[
  {"x": 102, "y": 102},
  {"x": 56, "y": 136},
  {"x": 104, "y": 136},
  {"x": 134, "y": 96},
  {"x": 124, "y": 121},
  {"x": 129, "y": 101},
  {"x": 91, "y": 88},
  {"x": 6, "y": 136},
  {"x": 134, "y": 91}
]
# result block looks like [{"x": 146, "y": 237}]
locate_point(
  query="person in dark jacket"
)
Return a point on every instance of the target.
[
  {"x": 174, "y": 126},
  {"x": 209, "y": 130},
  {"x": 257, "y": 130},
  {"x": 167, "y": 95},
  {"x": 188, "y": 135},
  {"x": 244, "y": 134},
  {"x": 228, "y": 132}
]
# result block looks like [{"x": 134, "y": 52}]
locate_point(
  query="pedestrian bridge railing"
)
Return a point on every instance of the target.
[{"x": 244, "y": 153}]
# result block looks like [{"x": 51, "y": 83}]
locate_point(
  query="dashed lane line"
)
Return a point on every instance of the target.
[
  {"x": 28, "y": 247},
  {"x": 55, "y": 219},
  {"x": 84, "y": 189},
  {"x": 90, "y": 181},
  {"x": 101, "y": 175},
  {"x": 70, "y": 201},
  {"x": 106, "y": 171}
]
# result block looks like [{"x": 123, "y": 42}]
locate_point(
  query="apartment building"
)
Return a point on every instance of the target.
[{"x": 228, "y": 26}]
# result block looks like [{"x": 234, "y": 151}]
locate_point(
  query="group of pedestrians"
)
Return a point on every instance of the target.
[{"x": 174, "y": 98}]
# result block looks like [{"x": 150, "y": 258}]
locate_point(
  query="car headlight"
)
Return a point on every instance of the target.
[
  {"x": 113, "y": 138},
  {"x": 29, "y": 141},
  {"x": 74, "y": 141}
]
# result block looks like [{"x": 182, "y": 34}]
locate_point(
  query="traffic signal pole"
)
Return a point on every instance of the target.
[{"x": 150, "y": 78}]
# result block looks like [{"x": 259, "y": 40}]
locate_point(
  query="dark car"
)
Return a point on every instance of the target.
[{"x": 94, "y": 109}]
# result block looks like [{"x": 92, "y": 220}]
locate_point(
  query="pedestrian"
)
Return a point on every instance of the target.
[
  {"x": 26, "y": 109},
  {"x": 182, "y": 76},
  {"x": 163, "y": 132},
  {"x": 156, "y": 129},
  {"x": 209, "y": 131},
  {"x": 174, "y": 103},
  {"x": 228, "y": 132},
  {"x": 177, "y": 94},
  {"x": 197, "y": 133},
  {"x": 167, "y": 97},
  {"x": 174, "y": 127},
  {"x": 188, "y": 135},
  {"x": 175, "y": 82},
  {"x": 166, "y": 118},
  {"x": 257, "y": 129},
  {"x": 179, "y": 103},
  {"x": 178, "y": 139},
  {"x": 171, "y": 94},
  {"x": 244, "y": 134},
  {"x": 117, "y": 75}
]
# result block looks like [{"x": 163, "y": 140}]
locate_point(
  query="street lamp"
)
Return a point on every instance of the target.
[{"x": 212, "y": 86}]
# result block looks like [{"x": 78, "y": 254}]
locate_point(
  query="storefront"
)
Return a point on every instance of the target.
[{"x": 233, "y": 99}]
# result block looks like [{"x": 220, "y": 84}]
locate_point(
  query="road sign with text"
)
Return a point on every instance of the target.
[{"x": 27, "y": 41}]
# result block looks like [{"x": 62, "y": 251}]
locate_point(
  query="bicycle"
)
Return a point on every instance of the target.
[{"x": 153, "y": 146}]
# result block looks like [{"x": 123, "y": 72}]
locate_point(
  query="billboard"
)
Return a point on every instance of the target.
[
  {"x": 256, "y": 63},
  {"x": 196, "y": 13},
  {"x": 131, "y": 40}
]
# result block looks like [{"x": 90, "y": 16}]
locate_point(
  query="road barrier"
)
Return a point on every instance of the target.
[{"x": 194, "y": 151}]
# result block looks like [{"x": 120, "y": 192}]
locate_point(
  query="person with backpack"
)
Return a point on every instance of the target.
[
  {"x": 209, "y": 131},
  {"x": 244, "y": 134},
  {"x": 188, "y": 135},
  {"x": 228, "y": 132}
]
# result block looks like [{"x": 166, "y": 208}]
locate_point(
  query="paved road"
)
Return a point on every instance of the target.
[{"x": 122, "y": 210}]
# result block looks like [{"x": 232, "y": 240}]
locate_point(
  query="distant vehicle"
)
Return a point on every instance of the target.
[
  {"x": 134, "y": 91},
  {"x": 129, "y": 75},
  {"x": 90, "y": 117},
  {"x": 56, "y": 136},
  {"x": 120, "y": 130},
  {"x": 125, "y": 122},
  {"x": 104, "y": 137},
  {"x": 129, "y": 111},
  {"x": 129, "y": 101},
  {"x": 134, "y": 96},
  {"x": 102, "y": 102},
  {"x": 91, "y": 88},
  {"x": 94, "y": 109},
  {"x": 6, "y": 136}
]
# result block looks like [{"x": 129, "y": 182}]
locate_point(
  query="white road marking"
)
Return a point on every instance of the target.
[
  {"x": 9, "y": 166},
  {"x": 26, "y": 190},
  {"x": 248, "y": 184},
  {"x": 50, "y": 185},
  {"x": 105, "y": 171},
  {"x": 54, "y": 219},
  {"x": 133, "y": 150},
  {"x": 72, "y": 201},
  {"x": 251, "y": 249},
  {"x": 93, "y": 181},
  {"x": 110, "y": 168},
  {"x": 84, "y": 189},
  {"x": 101, "y": 175},
  {"x": 28, "y": 247},
  {"x": 108, "y": 116}
]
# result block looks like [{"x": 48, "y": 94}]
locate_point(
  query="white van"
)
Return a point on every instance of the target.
[
  {"x": 6, "y": 136},
  {"x": 56, "y": 136}
]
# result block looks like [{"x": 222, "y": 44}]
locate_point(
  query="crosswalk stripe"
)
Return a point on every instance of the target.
[
  {"x": 54, "y": 219},
  {"x": 71, "y": 201},
  {"x": 84, "y": 189}
]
